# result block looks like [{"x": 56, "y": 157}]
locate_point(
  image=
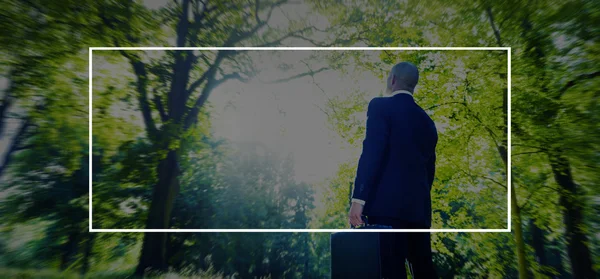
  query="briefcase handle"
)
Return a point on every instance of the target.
[
  {"x": 367, "y": 225},
  {"x": 364, "y": 219}
]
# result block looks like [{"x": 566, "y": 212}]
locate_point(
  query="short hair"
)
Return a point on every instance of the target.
[{"x": 407, "y": 75}]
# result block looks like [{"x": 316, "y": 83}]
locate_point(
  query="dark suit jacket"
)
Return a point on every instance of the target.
[{"x": 397, "y": 165}]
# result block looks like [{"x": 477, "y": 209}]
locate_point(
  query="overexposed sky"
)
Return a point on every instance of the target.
[{"x": 286, "y": 116}]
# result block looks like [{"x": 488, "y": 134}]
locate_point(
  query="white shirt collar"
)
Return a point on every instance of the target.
[{"x": 402, "y": 92}]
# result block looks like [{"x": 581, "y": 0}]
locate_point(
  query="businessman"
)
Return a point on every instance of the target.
[{"x": 395, "y": 175}]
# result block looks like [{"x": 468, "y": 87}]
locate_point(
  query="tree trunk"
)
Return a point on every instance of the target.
[
  {"x": 69, "y": 250},
  {"x": 555, "y": 259},
  {"x": 153, "y": 256},
  {"x": 537, "y": 241},
  {"x": 523, "y": 265},
  {"x": 175, "y": 248},
  {"x": 87, "y": 253},
  {"x": 15, "y": 145},
  {"x": 572, "y": 204}
]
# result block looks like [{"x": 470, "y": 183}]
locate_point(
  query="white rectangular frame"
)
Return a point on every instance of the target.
[{"x": 507, "y": 49}]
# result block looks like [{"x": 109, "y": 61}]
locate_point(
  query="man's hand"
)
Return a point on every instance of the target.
[{"x": 356, "y": 210}]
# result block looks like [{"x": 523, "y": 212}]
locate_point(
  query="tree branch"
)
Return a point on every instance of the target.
[
  {"x": 529, "y": 152},
  {"x": 161, "y": 109},
  {"x": 178, "y": 94},
  {"x": 472, "y": 113},
  {"x": 495, "y": 181},
  {"x": 445, "y": 104},
  {"x": 199, "y": 15},
  {"x": 211, "y": 71},
  {"x": 182, "y": 24},
  {"x": 488, "y": 10},
  {"x": 278, "y": 41},
  {"x": 527, "y": 202},
  {"x": 530, "y": 146},
  {"x": 298, "y": 35},
  {"x": 210, "y": 85},
  {"x": 577, "y": 80},
  {"x": 473, "y": 177},
  {"x": 336, "y": 42},
  {"x": 197, "y": 83},
  {"x": 488, "y": 129},
  {"x": 15, "y": 145},
  {"x": 236, "y": 38},
  {"x": 256, "y": 9},
  {"x": 309, "y": 73},
  {"x": 139, "y": 69},
  {"x": 209, "y": 77},
  {"x": 229, "y": 77},
  {"x": 7, "y": 102},
  {"x": 322, "y": 110}
]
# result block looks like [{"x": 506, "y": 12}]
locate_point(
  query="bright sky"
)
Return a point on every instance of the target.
[{"x": 286, "y": 116}]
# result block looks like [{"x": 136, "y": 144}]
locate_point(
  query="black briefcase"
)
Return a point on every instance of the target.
[{"x": 356, "y": 254}]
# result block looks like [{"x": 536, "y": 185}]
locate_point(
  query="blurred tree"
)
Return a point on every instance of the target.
[
  {"x": 55, "y": 187},
  {"x": 38, "y": 40},
  {"x": 542, "y": 114}
]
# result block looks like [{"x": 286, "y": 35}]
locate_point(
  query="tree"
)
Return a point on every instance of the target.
[
  {"x": 57, "y": 190},
  {"x": 182, "y": 82},
  {"x": 32, "y": 59},
  {"x": 544, "y": 128}
]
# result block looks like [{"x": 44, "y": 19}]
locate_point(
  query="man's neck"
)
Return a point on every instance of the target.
[{"x": 400, "y": 91}]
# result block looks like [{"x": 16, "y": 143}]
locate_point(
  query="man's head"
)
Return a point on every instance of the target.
[{"x": 403, "y": 76}]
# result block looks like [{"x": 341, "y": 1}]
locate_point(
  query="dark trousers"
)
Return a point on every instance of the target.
[{"x": 412, "y": 246}]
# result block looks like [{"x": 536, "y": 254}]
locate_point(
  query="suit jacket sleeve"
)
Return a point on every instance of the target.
[
  {"x": 431, "y": 165},
  {"x": 374, "y": 146},
  {"x": 431, "y": 170}
]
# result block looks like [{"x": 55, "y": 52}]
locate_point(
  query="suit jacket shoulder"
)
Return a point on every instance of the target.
[{"x": 377, "y": 106}]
